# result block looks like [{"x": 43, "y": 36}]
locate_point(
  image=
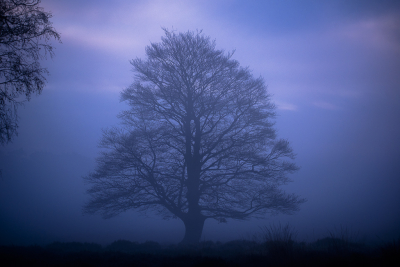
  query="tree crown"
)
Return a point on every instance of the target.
[
  {"x": 197, "y": 139},
  {"x": 25, "y": 33}
]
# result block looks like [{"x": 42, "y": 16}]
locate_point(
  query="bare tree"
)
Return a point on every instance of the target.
[
  {"x": 25, "y": 32},
  {"x": 196, "y": 143}
]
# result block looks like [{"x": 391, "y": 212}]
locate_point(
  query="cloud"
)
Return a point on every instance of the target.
[
  {"x": 285, "y": 106},
  {"x": 381, "y": 32},
  {"x": 336, "y": 59},
  {"x": 126, "y": 25},
  {"x": 350, "y": 59},
  {"x": 325, "y": 105}
]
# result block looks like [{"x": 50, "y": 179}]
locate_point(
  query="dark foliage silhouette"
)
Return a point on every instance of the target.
[
  {"x": 233, "y": 253},
  {"x": 25, "y": 33},
  {"x": 197, "y": 142}
]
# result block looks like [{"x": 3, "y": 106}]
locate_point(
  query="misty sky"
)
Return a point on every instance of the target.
[{"x": 333, "y": 68}]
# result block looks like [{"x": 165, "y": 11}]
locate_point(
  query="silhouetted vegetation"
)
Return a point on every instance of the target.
[
  {"x": 278, "y": 248},
  {"x": 197, "y": 143},
  {"x": 25, "y": 34}
]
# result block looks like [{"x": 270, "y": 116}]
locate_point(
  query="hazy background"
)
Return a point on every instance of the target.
[{"x": 333, "y": 68}]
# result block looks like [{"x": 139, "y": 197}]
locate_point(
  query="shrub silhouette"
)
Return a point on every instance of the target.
[
  {"x": 279, "y": 239},
  {"x": 124, "y": 246},
  {"x": 72, "y": 247}
]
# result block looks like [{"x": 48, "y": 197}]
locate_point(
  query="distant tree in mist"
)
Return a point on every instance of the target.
[
  {"x": 25, "y": 32},
  {"x": 197, "y": 142}
]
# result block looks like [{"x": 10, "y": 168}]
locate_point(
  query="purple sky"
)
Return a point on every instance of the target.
[{"x": 333, "y": 68}]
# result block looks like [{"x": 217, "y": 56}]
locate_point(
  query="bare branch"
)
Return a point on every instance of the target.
[
  {"x": 198, "y": 140},
  {"x": 25, "y": 33}
]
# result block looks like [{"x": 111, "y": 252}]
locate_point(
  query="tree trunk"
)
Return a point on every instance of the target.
[{"x": 193, "y": 229}]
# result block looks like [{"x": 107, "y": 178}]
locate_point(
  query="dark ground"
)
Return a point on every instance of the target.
[{"x": 328, "y": 251}]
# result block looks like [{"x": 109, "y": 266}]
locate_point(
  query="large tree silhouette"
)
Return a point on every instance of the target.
[{"x": 197, "y": 142}]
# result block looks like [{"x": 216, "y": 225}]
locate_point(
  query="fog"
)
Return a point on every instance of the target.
[{"x": 332, "y": 70}]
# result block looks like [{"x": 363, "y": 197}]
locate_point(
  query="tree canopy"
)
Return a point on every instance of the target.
[
  {"x": 197, "y": 142},
  {"x": 25, "y": 33}
]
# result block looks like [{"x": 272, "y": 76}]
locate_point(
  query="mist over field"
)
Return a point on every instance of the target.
[{"x": 331, "y": 68}]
